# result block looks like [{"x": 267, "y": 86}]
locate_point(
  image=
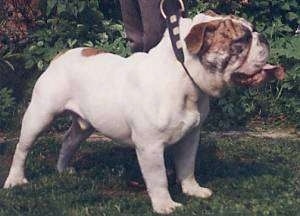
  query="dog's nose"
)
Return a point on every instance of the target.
[{"x": 263, "y": 40}]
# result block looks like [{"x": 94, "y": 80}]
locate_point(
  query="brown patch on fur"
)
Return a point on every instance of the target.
[
  {"x": 87, "y": 52},
  {"x": 226, "y": 32},
  {"x": 217, "y": 35},
  {"x": 224, "y": 37},
  {"x": 200, "y": 33}
]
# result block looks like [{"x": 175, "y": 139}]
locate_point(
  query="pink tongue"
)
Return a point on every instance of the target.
[
  {"x": 268, "y": 72},
  {"x": 276, "y": 71}
]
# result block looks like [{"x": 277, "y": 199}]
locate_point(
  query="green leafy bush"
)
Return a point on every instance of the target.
[
  {"x": 7, "y": 108},
  {"x": 67, "y": 24}
]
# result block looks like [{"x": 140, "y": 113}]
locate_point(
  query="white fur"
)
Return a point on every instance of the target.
[{"x": 145, "y": 100}]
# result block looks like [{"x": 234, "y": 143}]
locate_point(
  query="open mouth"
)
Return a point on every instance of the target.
[
  {"x": 268, "y": 72},
  {"x": 243, "y": 79}
]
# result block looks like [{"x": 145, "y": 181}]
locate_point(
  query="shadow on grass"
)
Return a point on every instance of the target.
[
  {"x": 98, "y": 159},
  {"x": 211, "y": 164}
]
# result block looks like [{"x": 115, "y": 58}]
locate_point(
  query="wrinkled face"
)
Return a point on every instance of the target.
[{"x": 227, "y": 45}]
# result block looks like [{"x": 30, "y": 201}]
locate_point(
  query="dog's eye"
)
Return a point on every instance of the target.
[{"x": 236, "y": 49}]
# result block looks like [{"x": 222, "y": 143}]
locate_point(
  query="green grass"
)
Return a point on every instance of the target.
[{"x": 249, "y": 176}]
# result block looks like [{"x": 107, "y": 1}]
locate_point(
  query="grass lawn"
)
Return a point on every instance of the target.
[{"x": 249, "y": 176}]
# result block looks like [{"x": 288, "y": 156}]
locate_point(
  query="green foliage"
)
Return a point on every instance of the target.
[
  {"x": 95, "y": 23},
  {"x": 6, "y": 67},
  {"x": 65, "y": 25},
  {"x": 7, "y": 108}
]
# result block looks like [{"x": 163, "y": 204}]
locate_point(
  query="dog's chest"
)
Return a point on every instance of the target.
[
  {"x": 184, "y": 124},
  {"x": 191, "y": 117}
]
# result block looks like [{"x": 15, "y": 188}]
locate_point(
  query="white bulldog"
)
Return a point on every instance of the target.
[{"x": 147, "y": 100}]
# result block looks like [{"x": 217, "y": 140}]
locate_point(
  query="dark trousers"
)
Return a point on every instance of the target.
[{"x": 144, "y": 25}]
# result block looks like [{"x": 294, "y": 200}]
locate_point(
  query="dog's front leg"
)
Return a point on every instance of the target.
[
  {"x": 184, "y": 157},
  {"x": 151, "y": 160}
]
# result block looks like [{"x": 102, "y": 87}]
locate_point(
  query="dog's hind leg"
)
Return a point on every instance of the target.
[
  {"x": 78, "y": 132},
  {"x": 35, "y": 120}
]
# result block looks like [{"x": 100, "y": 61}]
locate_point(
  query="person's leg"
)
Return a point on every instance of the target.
[
  {"x": 153, "y": 23},
  {"x": 133, "y": 24}
]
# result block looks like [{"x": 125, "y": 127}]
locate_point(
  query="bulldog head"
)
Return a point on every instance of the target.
[{"x": 230, "y": 52}]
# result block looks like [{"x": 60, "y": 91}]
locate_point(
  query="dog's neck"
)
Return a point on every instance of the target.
[{"x": 211, "y": 84}]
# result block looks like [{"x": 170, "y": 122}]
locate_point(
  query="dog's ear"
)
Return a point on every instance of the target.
[{"x": 194, "y": 40}]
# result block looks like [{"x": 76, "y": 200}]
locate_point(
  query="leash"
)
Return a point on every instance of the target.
[{"x": 172, "y": 11}]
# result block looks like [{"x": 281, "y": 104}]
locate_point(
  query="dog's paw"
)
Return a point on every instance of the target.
[
  {"x": 165, "y": 207},
  {"x": 11, "y": 182},
  {"x": 68, "y": 170},
  {"x": 197, "y": 191},
  {"x": 71, "y": 170}
]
